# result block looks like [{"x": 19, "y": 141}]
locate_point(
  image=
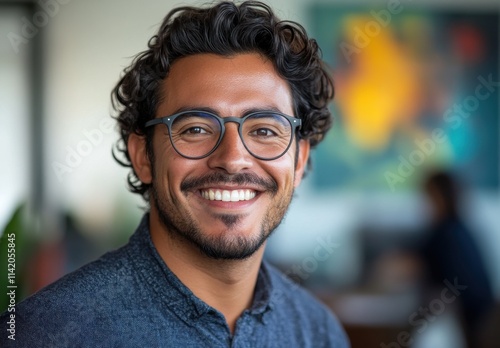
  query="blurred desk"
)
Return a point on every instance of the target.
[{"x": 374, "y": 319}]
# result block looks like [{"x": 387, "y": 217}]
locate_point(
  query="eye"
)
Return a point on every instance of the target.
[
  {"x": 196, "y": 125},
  {"x": 263, "y": 132},
  {"x": 195, "y": 130}
]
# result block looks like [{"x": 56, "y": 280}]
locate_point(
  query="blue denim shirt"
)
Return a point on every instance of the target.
[{"x": 130, "y": 298}]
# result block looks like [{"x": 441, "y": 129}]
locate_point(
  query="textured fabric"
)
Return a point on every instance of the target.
[{"x": 129, "y": 298}]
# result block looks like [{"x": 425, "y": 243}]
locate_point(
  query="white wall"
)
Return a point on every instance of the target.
[{"x": 14, "y": 119}]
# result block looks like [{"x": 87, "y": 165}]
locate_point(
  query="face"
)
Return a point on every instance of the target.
[{"x": 228, "y": 203}]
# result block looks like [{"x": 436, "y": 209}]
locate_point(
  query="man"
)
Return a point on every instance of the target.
[{"x": 217, "y": 118}]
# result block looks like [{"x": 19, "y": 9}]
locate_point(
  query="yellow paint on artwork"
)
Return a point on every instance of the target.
[{"x": 380, "y": 90}]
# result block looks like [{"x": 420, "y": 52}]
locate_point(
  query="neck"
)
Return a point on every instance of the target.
[{"x": 226, "y": 285}]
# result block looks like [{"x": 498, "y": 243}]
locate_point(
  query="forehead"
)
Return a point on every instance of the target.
[{"x": 229, "y": 85}]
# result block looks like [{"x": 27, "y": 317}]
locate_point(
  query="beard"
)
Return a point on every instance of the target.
[{"x": 225, "y": 245}]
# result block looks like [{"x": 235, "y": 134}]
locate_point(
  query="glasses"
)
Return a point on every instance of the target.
[{"x": 195, "y": 134}]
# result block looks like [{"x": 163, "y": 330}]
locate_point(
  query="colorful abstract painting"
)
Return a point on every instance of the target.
[{"x": 416, "y": 90}]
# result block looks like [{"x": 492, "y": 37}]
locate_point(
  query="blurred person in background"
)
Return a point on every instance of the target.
[
  {"x": 217, "y": 118},
  {"x": 450, "y": 253}
]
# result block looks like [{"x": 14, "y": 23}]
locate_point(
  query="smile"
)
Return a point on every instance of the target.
[{"x": 228, "y": 195}]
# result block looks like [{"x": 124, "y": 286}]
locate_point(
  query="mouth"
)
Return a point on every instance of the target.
[{"x": 228, "y": 195}]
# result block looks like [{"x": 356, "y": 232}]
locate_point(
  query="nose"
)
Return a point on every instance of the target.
[{"x": 231, "y": 155}]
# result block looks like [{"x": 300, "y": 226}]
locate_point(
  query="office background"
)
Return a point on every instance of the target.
[{"x": 400, "y": 69}]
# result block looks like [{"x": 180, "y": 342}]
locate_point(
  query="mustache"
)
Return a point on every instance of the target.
[{"x": 219, "y": 178}]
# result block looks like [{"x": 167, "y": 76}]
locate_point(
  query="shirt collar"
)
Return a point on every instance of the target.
[{"x": 165, "y": 284}]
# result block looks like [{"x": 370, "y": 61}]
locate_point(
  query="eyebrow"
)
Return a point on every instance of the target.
[{"x": 213, "y": 111}]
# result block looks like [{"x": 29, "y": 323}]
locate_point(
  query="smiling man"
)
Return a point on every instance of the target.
[{"x": 217, "y": 118}]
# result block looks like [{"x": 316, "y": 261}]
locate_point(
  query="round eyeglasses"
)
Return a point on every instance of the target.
[{"x": 195, "y": 134}]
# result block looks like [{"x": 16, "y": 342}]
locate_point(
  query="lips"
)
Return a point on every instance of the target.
[{"x": 228, "y": 195}]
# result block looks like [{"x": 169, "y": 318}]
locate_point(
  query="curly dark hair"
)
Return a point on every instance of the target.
[{"x": 225, "y": 29}]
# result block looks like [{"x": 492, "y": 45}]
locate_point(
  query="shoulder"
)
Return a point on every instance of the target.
[
  {"x": 287, "y": 291},
  {"x": 101, "y": 275},
  {"x": 308, "y": 316},
  {"x": 60, "y": 310}
]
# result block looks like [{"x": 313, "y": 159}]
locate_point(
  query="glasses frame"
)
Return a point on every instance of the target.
[{"x": 295, "y": 123}]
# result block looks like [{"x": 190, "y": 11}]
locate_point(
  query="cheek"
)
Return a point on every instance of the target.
[
  {"x": 165, "y": 168},
  {"x": 283, "y": 171},
  {"x": 172, "y": 169}
]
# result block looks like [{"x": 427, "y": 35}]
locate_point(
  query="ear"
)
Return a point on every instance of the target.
[
  {"x": 302, "y": 158},
  {"x": 139, "y": 158}
]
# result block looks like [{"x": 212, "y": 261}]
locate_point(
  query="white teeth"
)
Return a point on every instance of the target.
[
  {"x": 235, "y": 196},
  {"x": 218, "y": 195},
  {"x": 228, "y": 196}
]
